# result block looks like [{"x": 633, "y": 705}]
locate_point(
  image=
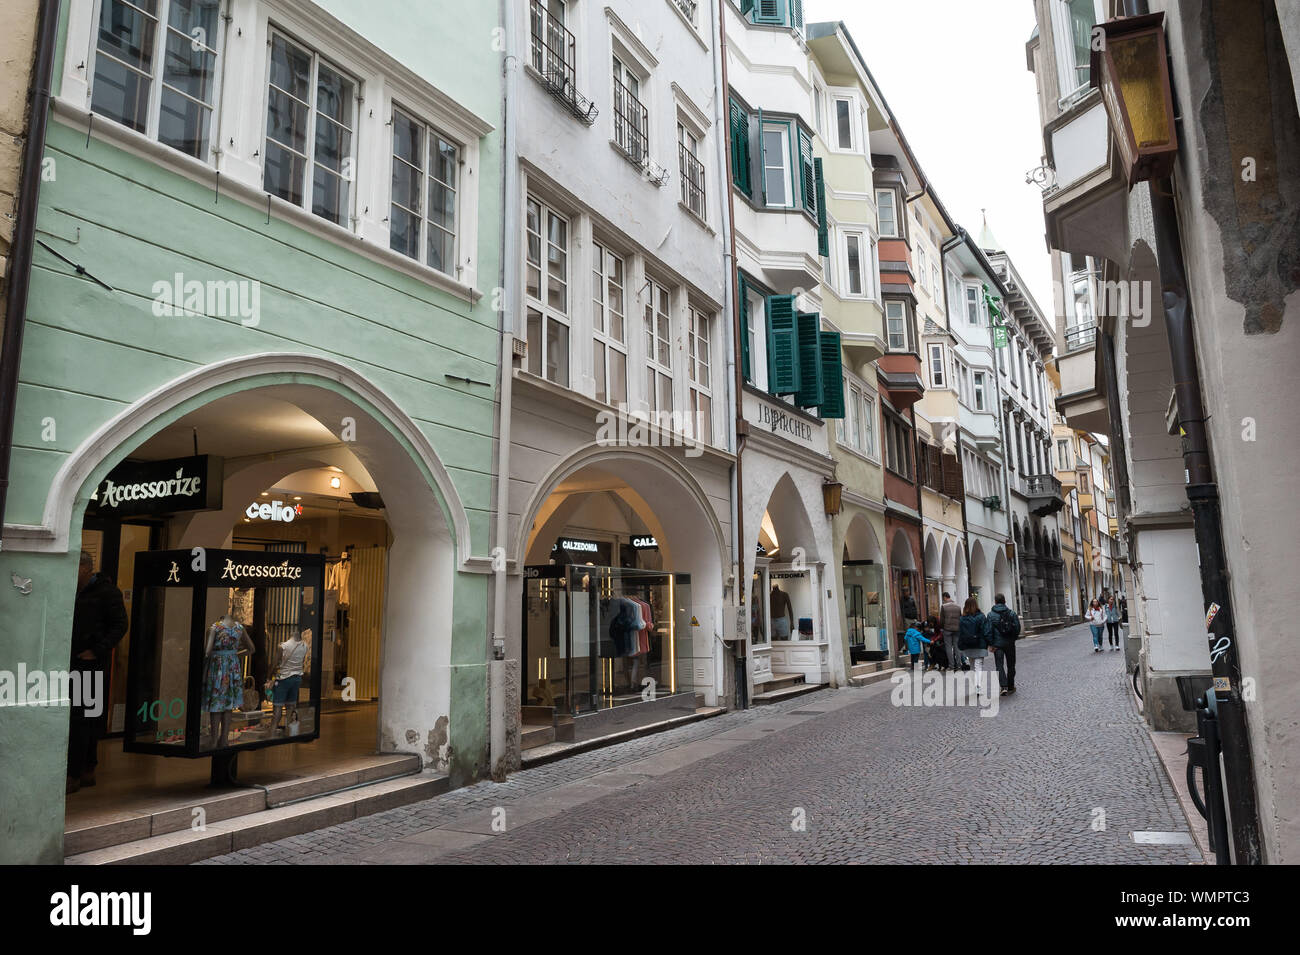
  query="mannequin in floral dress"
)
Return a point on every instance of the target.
[{"x": 223, "y": 684}]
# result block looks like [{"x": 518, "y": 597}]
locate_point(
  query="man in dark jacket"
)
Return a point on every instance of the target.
[
  {"x": 98, "y": 623},
  {"x": 1005, "y": 626}
]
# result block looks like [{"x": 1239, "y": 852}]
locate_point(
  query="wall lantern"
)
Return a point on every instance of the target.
[
  {"x": 831, "y": 492},
  {"x": 1131, "y": 69}
]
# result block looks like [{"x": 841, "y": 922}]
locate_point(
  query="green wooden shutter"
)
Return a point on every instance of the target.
[
  {"x": 762, "y": 158},
  {"x": 745, "y": 7},
  {"x": 740, "y": 148},
  {"x": 807, "y": 178},
  {"x": 832, "y": 405},
  {"x": 823, "y": 232},
  {"x": 811, "y": 391},
  {"x": 769, "y": 11},
  {"x": 783, "y": 367},
  {"x": 742, "y": 306},
  {"x": 796, "y": 14}
]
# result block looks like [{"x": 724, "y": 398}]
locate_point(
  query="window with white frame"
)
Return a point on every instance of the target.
[
  {"x": 658, "y": 349},
  {"x": 608, "y": 322},
  {"x": 700, "y": 397},
  {"x": 777, "y": 184},
  {"x": 896, "y": 326},
  {"x": 898, "y": 447},
  {"x": 935, "y": 285},
  {"x": 843, "y": 122},
  {"x": 829, "y": 271},
  {"x": 978, "y": 389},
  {"x": 310, "y": 123},
  {"x": 922, "y": 274},
  {"x": 819, "y": 110},
  {"x": 868, "y": 425},
  {"x": 631, "y": 117},
  {"x": 547, "y": 286},
  {"x": 972, "y": 305},
  {"x": 422, "y": 217},
  {"x": 954, "y": 297},
  {"x": 690, "y": 171},
  {"x": 1072, "y": 23},
  {"x": 155, "y": 69},
  {"x": 853, "y": 263},
  {"x": 886, "y": 216},
  {"x": 755, "y": 319},
  {"x": 857, "y": 430},
  {"x": 937, "y": 377}
]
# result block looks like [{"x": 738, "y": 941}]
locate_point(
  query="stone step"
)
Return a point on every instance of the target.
[
  {"x": 775, "y": 696},
  {"x": 531, "y": 736},
  {"x": 866, "y": 679},
  {"x": 241, "y": 832},
  {"x": 218, "y": 806},
  {"x": 781, "y": 681},
  {"x": 861, "y": 669}
]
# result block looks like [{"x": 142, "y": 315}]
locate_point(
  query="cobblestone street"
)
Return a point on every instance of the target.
[{"x": 872, "y": 781}]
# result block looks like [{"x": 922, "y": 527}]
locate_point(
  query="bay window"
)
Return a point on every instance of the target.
[
  {"x": 853, "y": 262},
  {"x": 778, "y": 188},
  {"x": 980, "y": 404},
  {"x": 937, "y": 377},
  {"x": 886, "y": 217},
  {"x": 896, "y": 330}
]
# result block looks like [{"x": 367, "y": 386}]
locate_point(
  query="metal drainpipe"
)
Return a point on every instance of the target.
[
  {"x": 20, "y": 255},
  {"x": 498, "y": 704},
  {"x": 953, "y": 242},
  {"x": 1203, "y": 493},
  {"x": 733, "y": 293}
]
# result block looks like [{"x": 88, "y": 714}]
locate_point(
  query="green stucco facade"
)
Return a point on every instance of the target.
[{"x": 91, "y": 354}]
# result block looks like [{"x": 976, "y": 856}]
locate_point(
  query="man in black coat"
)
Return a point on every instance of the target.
[{"x": 98, "y": 623}]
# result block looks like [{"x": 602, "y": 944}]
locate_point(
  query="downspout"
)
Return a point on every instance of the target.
[
  {"x": 736, "y": 430},
  {"x": 18, "y": 279},
  {"x": 1203, "y": 493},
  {"x": 498, "y": 705},
  {"x": 956, "y": 240}
]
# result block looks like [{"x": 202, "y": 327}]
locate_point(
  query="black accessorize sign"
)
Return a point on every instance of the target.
[{"x": 160, "y": 487}]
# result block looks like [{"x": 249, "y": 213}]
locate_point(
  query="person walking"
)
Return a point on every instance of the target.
[
  {"x": 949, "y": 623},
  {"x": 1004, "y": 627},
  {"x": 973, "y": 639},
  {"x": 98, "y": 623},
  {"x": 1096, "y": 618},
  {"x": 1112, "y": 622},
  {"x": 914, "y": 640}
]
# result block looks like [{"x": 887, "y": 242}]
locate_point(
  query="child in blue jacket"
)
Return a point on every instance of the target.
[{"x": 914, "y": 640}]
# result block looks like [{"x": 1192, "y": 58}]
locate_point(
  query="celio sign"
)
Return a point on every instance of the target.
[{"x": 273, "y": 511}]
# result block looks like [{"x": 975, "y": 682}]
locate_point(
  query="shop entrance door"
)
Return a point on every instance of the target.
[{"x": 114, "y": 545}]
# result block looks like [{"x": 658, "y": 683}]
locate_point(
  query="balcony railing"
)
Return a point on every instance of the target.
[
  {"x": 687, "y": 7},
  {"x": 692, "y": 175},
  {"x": 1079, "y": 337},
  {"x": 554, "y": 53},
  {"x": 631, "y": 125},
  {"x": 1044, "y": 493}
]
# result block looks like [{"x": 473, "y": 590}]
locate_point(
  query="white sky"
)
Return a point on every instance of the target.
[{"x": 954, "y": 75}]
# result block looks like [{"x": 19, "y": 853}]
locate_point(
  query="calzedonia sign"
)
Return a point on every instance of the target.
[{"x": 160, "y": 487}]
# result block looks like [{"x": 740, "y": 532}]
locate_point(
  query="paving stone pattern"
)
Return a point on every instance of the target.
[{"x": 872, "y": 782}]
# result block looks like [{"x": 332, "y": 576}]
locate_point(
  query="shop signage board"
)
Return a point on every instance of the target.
[
  {"x": 782, "y": 420},
  {"x": 645, "y": 542},
  {"x": 134, "y": 488}
]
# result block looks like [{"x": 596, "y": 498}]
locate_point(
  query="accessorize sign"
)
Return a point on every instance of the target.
[
  {"x": 202, "y": 566},
  {"x": 160, "y": 487}
]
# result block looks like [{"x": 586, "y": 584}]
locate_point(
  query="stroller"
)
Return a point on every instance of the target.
[{"x": 936, "y": 653}]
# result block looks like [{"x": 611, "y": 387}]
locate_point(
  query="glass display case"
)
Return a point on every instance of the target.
[
  {"x": 199, "y": 619},
  {"x": 598, "y": 637}
]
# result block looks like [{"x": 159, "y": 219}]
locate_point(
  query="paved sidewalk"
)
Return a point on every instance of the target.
[{"x": 1064, "y": 773}]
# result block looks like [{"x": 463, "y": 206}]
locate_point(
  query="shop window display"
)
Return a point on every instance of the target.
[
  {"x": 864, "y": 583},
  {"x": 204, "y": 623},
  {"x": 598, "y": 637}
]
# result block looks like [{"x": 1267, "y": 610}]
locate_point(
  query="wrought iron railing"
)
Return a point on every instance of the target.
[
  {"x": 1078, "y": 337},
  {"x": 687, "y": 7},
  {"x": 554, "y": 55},
  {"x": 692, "y": 176},
  {"x": 631, "y": 125},
  {"x": 1041, "y": 485}
]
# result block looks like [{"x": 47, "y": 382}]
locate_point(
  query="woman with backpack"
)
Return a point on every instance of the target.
[
  {"x": 973, "y": 633},
  {"x": 1096, "y": 618},
  {"x": 1112, "y": 622}
]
